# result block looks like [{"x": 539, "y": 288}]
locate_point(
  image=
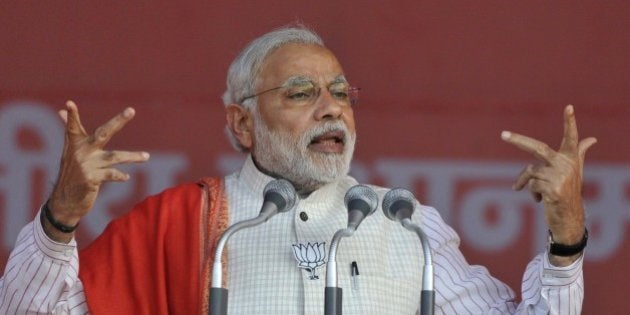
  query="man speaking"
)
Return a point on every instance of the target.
[{"x": 289, "y": 108}]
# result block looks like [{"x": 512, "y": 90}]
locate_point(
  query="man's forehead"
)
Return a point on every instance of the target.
[{"x": 314, "y": 62}]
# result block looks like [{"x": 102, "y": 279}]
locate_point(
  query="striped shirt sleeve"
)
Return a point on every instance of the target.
[
  {"x": 41, "y": 276},
  {"x": 550, "y": 289},
  {"x": 461, "y": 288}
]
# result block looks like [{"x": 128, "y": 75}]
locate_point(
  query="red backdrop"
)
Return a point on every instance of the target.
[{"x": 439, "y": 83}]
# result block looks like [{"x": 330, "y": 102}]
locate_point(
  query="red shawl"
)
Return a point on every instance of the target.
[{"x": 157, "y": 259}]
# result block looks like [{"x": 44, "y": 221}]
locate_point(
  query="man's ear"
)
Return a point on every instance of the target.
[{"x": 240, "y": 122}]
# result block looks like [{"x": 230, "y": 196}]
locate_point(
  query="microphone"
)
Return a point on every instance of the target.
[
  {"x": 399, "y": 205},
  {"x": 361, "y": 201},
  {"x": 278, "y": 196}
]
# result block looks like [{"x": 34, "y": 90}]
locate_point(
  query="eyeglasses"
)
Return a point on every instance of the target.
[{"x": 306, "y": 93}]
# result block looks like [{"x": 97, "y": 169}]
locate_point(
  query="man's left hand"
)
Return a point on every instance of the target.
[{"x": 557, "y": 182}]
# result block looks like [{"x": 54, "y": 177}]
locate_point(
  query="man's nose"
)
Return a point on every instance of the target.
[{"x": 327, "y": 107}]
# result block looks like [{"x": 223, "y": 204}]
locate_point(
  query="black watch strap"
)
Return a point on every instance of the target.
[
  {"x": 567, "y": 250},
  {"x": 46, "y": 215}
]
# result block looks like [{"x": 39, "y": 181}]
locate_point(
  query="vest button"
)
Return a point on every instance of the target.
[{"x": 303, "y": 216}]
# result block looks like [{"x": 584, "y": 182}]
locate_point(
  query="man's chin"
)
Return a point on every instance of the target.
[
  {"x": 308, "y": 185},
  {"x": 330, "y": 170}
]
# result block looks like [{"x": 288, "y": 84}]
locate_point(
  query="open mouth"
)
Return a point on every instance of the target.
[{"x": 331, "y": 142}]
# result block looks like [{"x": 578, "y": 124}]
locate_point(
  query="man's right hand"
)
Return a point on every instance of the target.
[{"x": 85, "y": 165}]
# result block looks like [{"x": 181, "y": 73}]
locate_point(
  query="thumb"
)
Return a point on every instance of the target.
[{"x": 584, "y": 145}]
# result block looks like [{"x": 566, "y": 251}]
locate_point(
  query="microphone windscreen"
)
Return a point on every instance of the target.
[
  {"x": 362, "y": 198},
  {"x": 398, "y": 199},
  {"x": 281, "y": 193}
]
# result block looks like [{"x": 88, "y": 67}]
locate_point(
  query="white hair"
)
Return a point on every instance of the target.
[{"x": 243, "y": 72}]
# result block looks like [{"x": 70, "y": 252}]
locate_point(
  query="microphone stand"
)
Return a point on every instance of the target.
[
  {"x": 427, "y": 296},
  {"x": 398, "y": 205},
  {"x": 333, "y": 295},
  {"x": 218, "y": 294},
  {"x": 278, "y": 196},
  {"x": 361, "y": 201}
]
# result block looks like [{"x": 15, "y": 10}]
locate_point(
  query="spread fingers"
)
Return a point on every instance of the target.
[{"x": 105, "y": 132}]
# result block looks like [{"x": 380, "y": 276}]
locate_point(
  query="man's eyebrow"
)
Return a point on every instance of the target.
[
  {"x": 339, "y": 79},
  {"x": 297, "y": 80},
  {"x": 303, "y": 80}
]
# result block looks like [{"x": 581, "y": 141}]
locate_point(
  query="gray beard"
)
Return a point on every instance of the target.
[{"x": 281, "y": 154}]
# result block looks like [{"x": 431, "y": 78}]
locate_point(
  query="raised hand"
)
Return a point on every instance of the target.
[
  {"x": 557, "y": 181},
  {"x": 85, "y": 165}
]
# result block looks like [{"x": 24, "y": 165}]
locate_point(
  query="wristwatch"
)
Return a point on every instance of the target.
[
  {"x": 46, "y": 215},
  {"x": 567, "y": 250}
]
